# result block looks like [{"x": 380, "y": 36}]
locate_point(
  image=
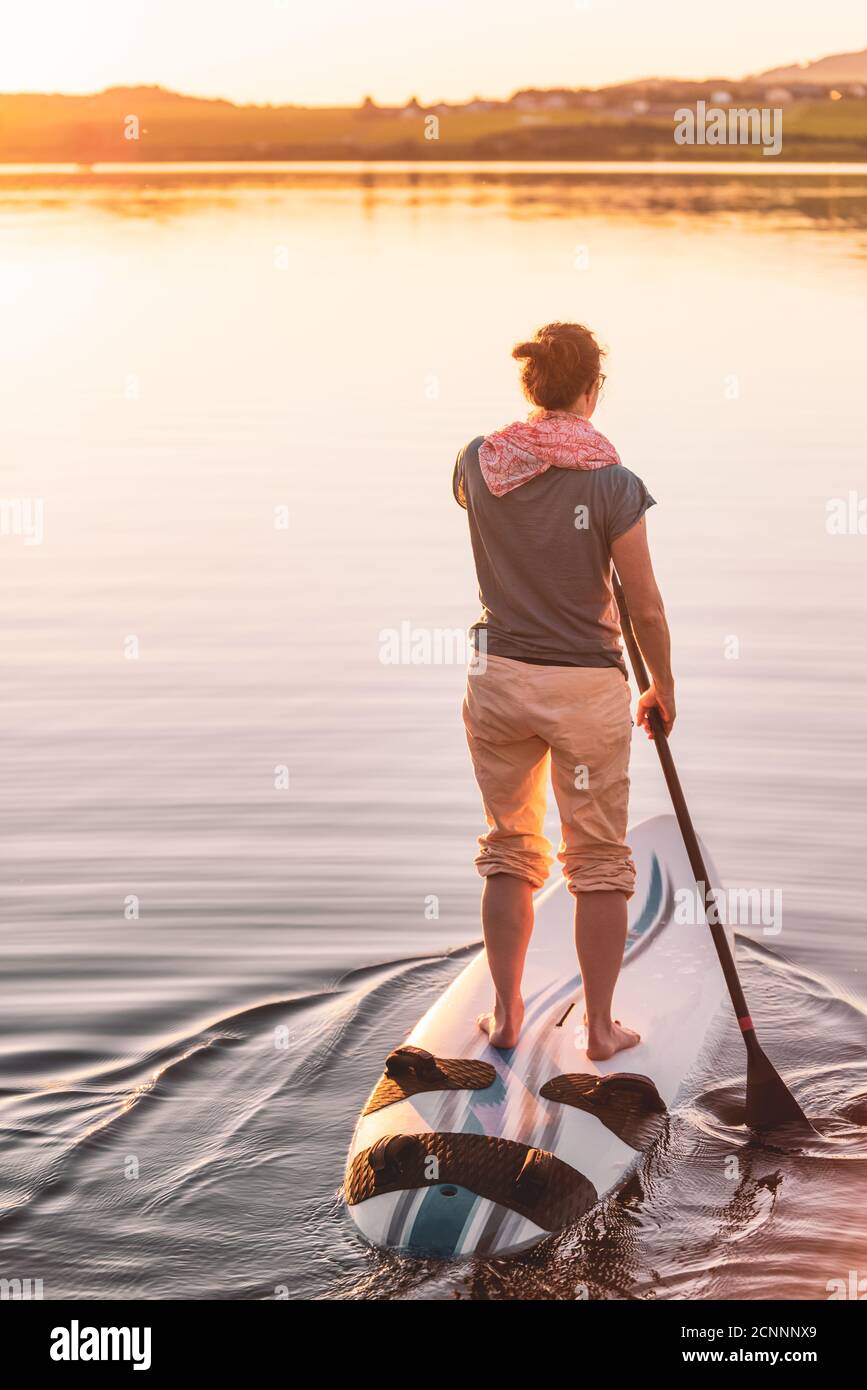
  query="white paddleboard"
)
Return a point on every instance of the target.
[{"x": 454, "y": 1190}]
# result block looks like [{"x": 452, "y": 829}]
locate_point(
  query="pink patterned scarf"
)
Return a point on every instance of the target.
[{"x": 546, "y": 439}]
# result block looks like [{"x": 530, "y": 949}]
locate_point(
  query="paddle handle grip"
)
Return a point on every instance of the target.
[{"x": 684, "y": 820}]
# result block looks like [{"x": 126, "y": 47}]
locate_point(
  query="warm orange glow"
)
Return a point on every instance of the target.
[{"x": 336, "y": 51}]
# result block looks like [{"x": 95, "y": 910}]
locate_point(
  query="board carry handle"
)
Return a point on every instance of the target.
[
  {"x": 617, "y": 1082},
  {"x": 411, "y": 1061},
  {"x": 535, "y": 1175},
  {"x": 769, "y": 1102},
  {"x": 391, "y": 1152}
]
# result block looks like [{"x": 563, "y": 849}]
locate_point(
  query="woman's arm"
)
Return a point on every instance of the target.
[{"x": 631, "y": 556}]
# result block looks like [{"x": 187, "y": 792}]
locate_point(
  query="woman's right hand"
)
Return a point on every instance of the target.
[{"x": 655, "y": 697}]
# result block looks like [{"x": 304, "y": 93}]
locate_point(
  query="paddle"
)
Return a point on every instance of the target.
[{"x": 769, "y": 1102}]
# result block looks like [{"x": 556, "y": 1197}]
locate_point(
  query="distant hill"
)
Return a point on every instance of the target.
[
  {"x": 633, "y": 121},
  {"x": 838, "y": 67}
]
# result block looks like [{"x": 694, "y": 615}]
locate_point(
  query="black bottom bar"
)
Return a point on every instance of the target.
[{"x": 243, "y": 1338}]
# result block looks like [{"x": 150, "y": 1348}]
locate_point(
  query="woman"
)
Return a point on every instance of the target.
[{"x": 550, "y": 506}]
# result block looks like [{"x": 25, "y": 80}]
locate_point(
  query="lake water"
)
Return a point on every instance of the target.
[{"x": 236, "y": 396}]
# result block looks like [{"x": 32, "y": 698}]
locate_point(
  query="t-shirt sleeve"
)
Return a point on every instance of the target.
[
  {"x": 458, "y": 479},
  {"x": 628, "y": 503}
]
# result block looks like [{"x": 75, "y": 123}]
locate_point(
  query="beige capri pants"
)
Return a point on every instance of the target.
[{"x": 519, "y": 718}]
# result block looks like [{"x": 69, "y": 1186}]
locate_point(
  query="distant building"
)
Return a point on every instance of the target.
[
  {"x": 641, "y": 107},
  {"x": 721, "y": 98},
  {"x": 778, "y": 96},
  {"x": 543, "y": 101}
]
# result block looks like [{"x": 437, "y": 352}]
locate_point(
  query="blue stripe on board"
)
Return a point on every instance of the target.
[
  {"x": 440, "y": 1221},
  {"x": 494, "y": 1094},
  {"x": 649, "y": 912}
]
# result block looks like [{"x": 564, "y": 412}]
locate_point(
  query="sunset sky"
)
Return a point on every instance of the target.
[{"x": 323, "y": 52}]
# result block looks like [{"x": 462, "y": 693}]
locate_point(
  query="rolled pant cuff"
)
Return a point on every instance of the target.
[
  {"x": 533, "y": 872},
  {"x": 605, "y": 877}
]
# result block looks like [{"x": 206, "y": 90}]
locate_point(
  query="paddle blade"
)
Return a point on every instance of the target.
[{"x": 770, "y": 1103}]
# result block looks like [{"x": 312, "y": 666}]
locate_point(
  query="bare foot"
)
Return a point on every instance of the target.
[
  {"x": 602, "y": 1043},
  {"x": 503, "y": 1026}
]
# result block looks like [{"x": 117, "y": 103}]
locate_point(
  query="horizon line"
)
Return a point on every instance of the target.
[{"x": 440, "y": 101}]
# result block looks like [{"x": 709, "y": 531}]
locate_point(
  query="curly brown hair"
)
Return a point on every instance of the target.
[{"x": 560, "y": 363}]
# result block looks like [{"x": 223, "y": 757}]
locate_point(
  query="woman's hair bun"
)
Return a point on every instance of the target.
[
  {"x": 560, "y": 363},
  {"x": 522, "y": 350}
]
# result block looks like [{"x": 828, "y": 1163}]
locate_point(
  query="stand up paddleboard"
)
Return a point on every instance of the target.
[{"x": 462, "y": 1149}]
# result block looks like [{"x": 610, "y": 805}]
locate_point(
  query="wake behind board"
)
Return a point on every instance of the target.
[{"x": 463, "y": 1149}]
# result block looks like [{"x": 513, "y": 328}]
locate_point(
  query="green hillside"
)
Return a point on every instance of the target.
[{"x": 91, "y": 129}]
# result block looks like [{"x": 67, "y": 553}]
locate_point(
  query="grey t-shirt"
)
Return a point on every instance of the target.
[{"x": 543, "y": 560}]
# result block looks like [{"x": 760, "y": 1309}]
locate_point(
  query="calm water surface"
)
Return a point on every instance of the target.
[{"x": 205, "y": 959}]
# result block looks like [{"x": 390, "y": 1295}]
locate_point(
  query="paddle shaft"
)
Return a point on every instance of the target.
[{"x": 690, "y": 839}]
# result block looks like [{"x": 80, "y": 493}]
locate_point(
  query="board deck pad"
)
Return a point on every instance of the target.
[
  {"x": 445, "y": 1074},
  {"x": 670, "y": 990},
  {"x": 503, "y": 1173},
  {"x": 636, "y": 1113}
]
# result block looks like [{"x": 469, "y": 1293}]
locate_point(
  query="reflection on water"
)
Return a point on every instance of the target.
[
  {"x": 238, "y": 396},
  {"x": 826, "y": 195}
]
